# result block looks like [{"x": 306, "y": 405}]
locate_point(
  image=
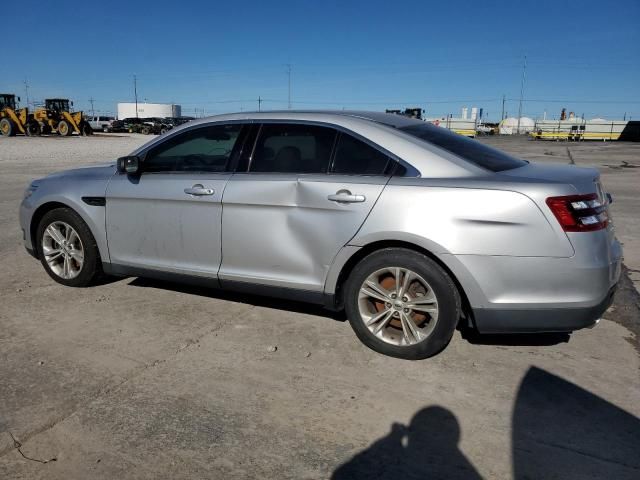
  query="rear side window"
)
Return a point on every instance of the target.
[
  {"x": 354, "y": 157},
  {"x": 205, "y": 149},
  {"x": 287, "y": 148},
  {"x": 466, "y": 148}
]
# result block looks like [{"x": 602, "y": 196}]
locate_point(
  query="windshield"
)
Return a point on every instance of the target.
[
  {"x": 466, "y": 148},
  {"x": 7, "y": 101},
  {"x": 58, "y": 105}
]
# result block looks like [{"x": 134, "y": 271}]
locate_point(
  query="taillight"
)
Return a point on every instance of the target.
[{"x": 579, "y": 213}]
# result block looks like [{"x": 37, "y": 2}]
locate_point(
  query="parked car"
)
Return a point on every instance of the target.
[
  {"x": 177, "y": 121},
  {"x": 99, "y": 123},
  {"x": 158, "y": 126},
  {"x": 410, "y": 228}
]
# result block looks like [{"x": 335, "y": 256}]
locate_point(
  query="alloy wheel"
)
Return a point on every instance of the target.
[
  {"x": 398, "y": 306},
  {"x": 63, "y": 250}
]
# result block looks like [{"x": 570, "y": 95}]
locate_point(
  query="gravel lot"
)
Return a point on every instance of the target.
[{"x": 143, "y": 379}]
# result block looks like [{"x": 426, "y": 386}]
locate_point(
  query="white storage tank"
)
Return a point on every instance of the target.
[
  {"x": 509, "y": 126},
  {"x": 146, "y": 110}
]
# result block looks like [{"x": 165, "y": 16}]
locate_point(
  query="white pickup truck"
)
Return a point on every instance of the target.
[{"x": 99, "y": 123}]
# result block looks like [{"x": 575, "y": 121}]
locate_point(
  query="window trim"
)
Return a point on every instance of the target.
[
  {"x": 237, "y": 149},
  {"x": 411, "y": 171},
  {"x": 284, "y": 122},
  {"x": 385, "y": 170}
]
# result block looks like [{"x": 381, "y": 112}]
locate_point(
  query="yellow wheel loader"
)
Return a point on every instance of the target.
[
  {"x": 56, "y": 116},
  {"x": 12, "y": 120}
]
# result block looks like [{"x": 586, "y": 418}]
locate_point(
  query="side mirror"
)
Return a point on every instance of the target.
[
  {"x": 131, "y": 165},
  {"x": 19, "y": 99},
  {"x": 72, "y": 104}
]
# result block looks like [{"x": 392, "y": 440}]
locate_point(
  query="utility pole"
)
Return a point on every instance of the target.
[
  {"x": 289, "y": 89},
  {"x": 524, "y": 72},
  {"x": 26, "y": 90},
  {"x": 135, "y": 92},
  {"x": 93, "y": 112},
  {"x": 259, "y": 103},
  {"x": 503, "y": 99}
]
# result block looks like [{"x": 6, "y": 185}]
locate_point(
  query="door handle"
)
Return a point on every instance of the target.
[
  {"x": 199, "y": 190},
  {"x": 345, "y": 196}
]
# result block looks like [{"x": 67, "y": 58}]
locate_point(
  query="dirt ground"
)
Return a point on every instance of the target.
[{"x": 148, "y": 380}]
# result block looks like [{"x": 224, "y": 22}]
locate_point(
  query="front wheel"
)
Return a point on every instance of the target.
[
  {"x": 401, "y": 303},
  {"x": 67, "y": 249},
  {"x": 64, "y": 128},
  {"x": 7, "y": 127}
]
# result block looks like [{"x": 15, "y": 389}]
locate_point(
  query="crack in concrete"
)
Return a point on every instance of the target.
[
  {"x": 18, "y": 446},
  {"x": 136, "y": 372}
]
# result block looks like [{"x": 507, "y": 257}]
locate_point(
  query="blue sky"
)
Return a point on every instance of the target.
[{"x": 220, "y": 56}]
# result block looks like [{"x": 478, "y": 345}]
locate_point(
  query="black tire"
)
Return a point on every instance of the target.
[
  {"x": 64, "y": 128},
  {"x": 91, "y": 269},
  {"x": 46, "y": 129},
  {"x": 7, "y": 128},
  {"x": 85, "y": 129},
  {"x": 444, "y": 288},
  {"x": 146, "y": 130},
  {"x": 32, "y": 129}
]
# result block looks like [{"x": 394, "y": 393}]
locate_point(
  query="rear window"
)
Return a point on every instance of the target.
[{"x": 466, "y": 148}]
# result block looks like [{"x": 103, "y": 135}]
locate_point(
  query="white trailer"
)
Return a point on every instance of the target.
[
  {"x": 148, "y": 110},
  {"x": 578, "y": 129},
  {"x": 462, "y": 126}
]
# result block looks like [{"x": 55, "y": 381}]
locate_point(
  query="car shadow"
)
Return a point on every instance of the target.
[
  {"x": 257, "y": 300},
  {"x": 514, "y": 340},
  {"x": 468, "y": 334},
  {"x": 559, "y": 431}
]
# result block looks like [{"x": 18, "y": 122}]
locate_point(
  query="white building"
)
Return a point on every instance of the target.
[{"x": 146, "y": 110}]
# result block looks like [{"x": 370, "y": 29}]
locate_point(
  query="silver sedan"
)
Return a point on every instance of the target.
[{"x": 411, "y": 229}]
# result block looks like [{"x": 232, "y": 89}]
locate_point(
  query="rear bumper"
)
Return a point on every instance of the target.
[
  {"x": 541, "y": 319},
  {"x": 542, "y": 294}
]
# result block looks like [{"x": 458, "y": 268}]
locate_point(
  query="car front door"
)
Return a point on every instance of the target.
[
  {"x": 297, "y": 204},
  {"x": 168, "y": 218}
]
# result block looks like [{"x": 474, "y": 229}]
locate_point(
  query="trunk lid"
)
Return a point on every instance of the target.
[{"x": 584, "y": 180}]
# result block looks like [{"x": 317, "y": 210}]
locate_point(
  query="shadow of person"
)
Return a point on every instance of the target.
[
  {"x": 426, "y": 449},
  {"x": 561, "y": 431}
]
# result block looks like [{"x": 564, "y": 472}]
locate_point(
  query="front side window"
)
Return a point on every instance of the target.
[
  {"x": 466, "y": 148},
  {"x": 354, "y": 157},
  {"x": 206, "y": 149},
  {"x": 286, "y": 148}
]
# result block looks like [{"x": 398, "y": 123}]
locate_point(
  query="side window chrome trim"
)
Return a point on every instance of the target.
[
  {"x": 142, "y": 151},
  {"x": 162, "y": 140},
  {"x": 411, "y": 171}
]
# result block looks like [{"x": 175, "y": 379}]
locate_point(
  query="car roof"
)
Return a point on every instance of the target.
[
  {"x": 390, "y": 119},
  {"x": 378, "y": 127}
]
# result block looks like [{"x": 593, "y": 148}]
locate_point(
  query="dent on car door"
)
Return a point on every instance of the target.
[
  {"x": 168, "y": 218},
  {"x": 306, "y": 193}
]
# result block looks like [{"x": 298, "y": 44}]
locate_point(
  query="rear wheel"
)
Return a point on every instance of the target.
[
  {"x": 67, "y": 249},
  {"x": 401, "y": 303},
  {"x": 7, "y": 127},
  {"x": 86, "y": 129},
  {"x": 146, "y": 130},
  {"x": 32, "y": 129},
  {"x": 64, "y": 128}
]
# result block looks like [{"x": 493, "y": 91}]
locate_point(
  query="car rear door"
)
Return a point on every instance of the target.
[
  {"x": 286, "y": 215},
  {"x": 168, "y": 218}
]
